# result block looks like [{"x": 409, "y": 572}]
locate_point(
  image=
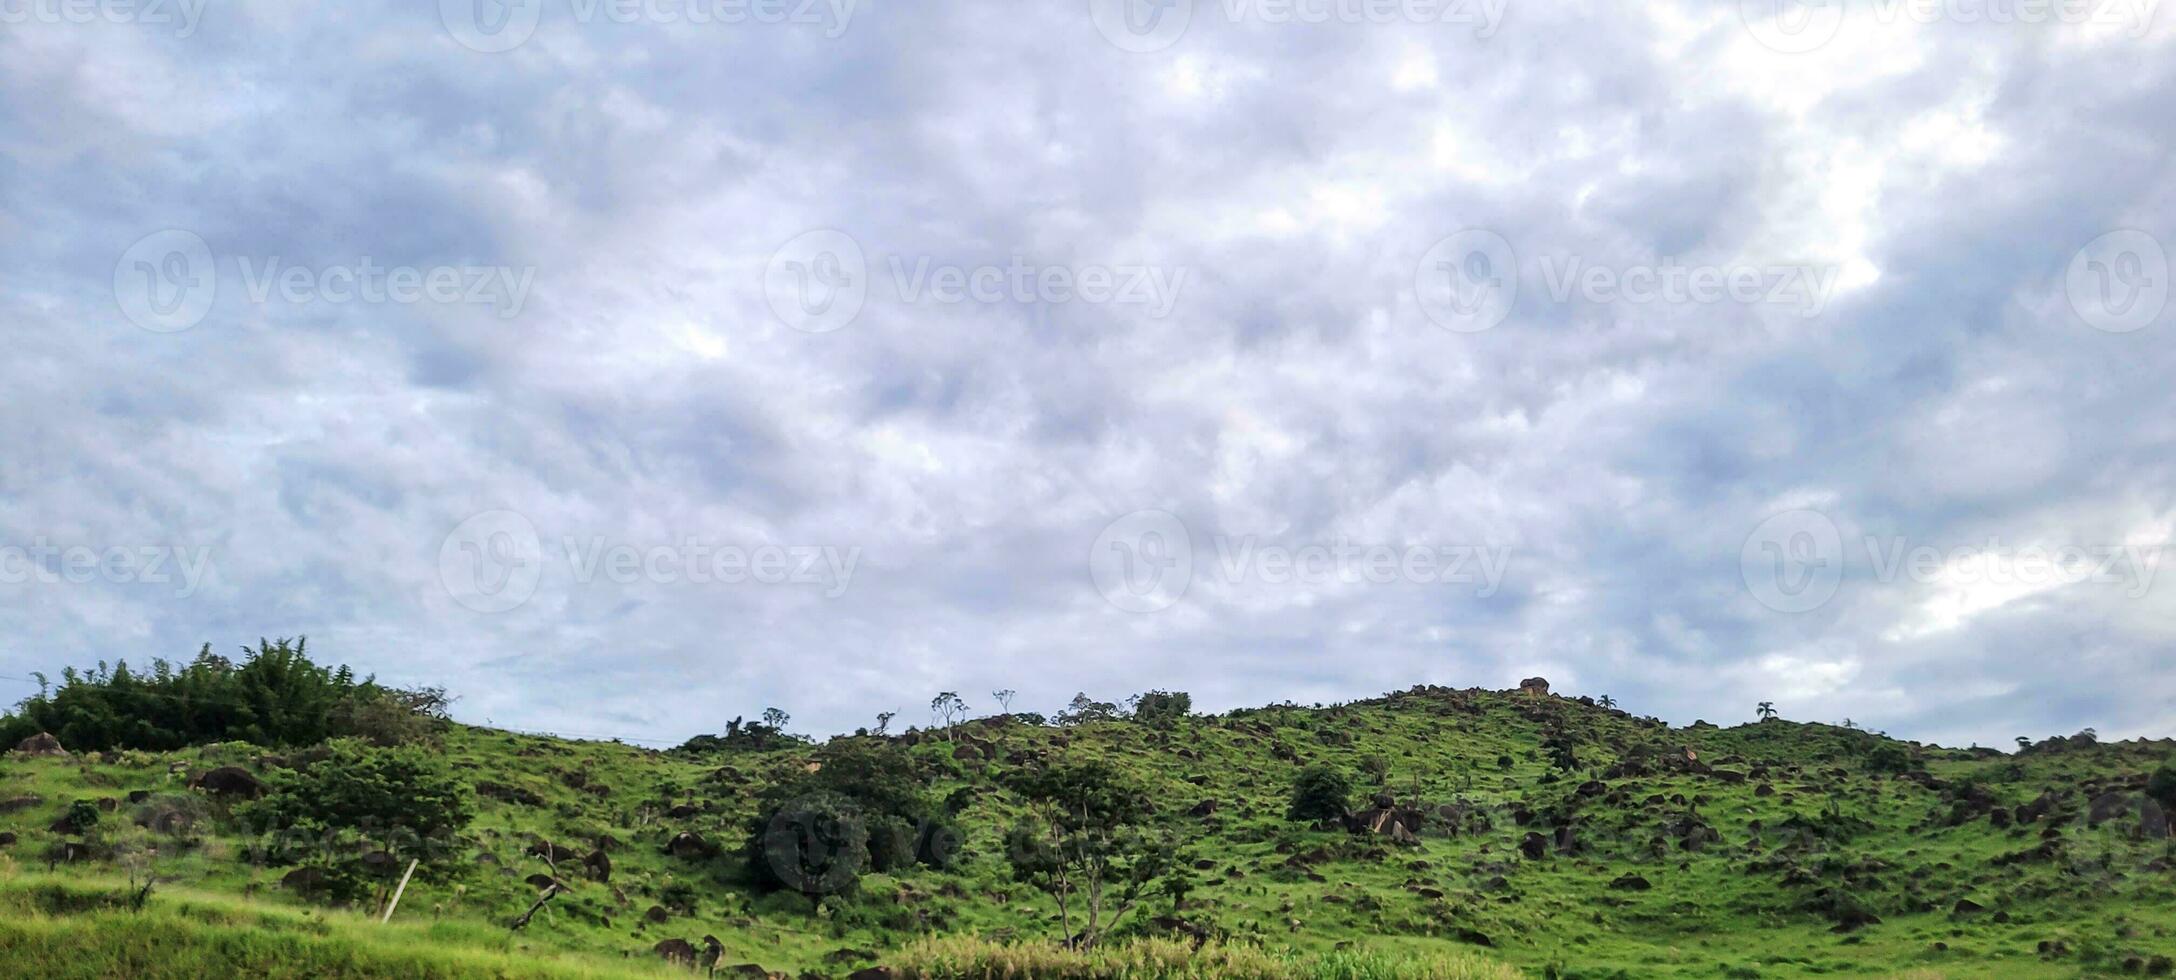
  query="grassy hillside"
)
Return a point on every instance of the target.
[{"x": 1554, "y": 837}]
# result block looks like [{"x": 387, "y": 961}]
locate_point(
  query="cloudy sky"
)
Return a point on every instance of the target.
[{"x": 629, "y": 367}]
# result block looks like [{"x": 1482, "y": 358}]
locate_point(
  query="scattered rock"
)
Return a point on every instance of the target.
[
  {"x": 41, "y": 744},
  {"x": 1630, "y": 883},
  {"x": 1534, "y": 846},
  {"x": 678, "y": 952},
  {"x": 229, "y": 781},
  {"x": 1536, "y": 686}
]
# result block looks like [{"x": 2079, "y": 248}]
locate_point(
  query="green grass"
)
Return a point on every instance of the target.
[
  {"x": 1298, "y": 898},
  {"x": 62, "y": 928}
]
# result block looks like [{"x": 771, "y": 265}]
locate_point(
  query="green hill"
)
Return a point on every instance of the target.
[{"x": 1485, "y": 833}]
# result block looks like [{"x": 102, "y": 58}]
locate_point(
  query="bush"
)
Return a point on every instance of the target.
[
  {"x": 1320, "y": 793},
  {"x": 276, "y": 696},
  {"x": 864, "y": 807},
  {"x": 357, "y": 799},
  {"x": 1162, "y": 709},
  {"x": 2162, "y": 785}
]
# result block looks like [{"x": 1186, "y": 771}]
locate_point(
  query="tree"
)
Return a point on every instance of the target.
[
  {"x": 1162, "y": 709},
  {"x": 884, "y": 721},
  {"x": 1767, "y": 710},
  {"x": 274, "y": 697},
  {"x": 1320, "y": 793},
  {"x": 2162, "y": 785},
  {"x": 864, "y": 805},
  {"x": 359, "y": 799},
  {"x": 775, "y": 719},
  {"x": 1607, "y": 701},
  {"x": 1085, "y": 836},
  {"x": 948, "y": 708},
  {"x": 2024, "y": 743},
  {"x": 1003, "y": 699},
  {"x": 1376, "y": 768},
  {"x": 1084, "y": 709}
]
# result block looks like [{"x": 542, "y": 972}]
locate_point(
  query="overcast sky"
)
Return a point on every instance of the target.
[{"x": 628, "y": 368}]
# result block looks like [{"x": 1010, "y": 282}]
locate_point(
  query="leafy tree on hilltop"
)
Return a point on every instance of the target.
[
  {"x": 275, "y": 696},
  {"x": 1162, "y": 709},
  {"x": 1084, "y": 709},
  {"x": 1767, "y": 710}
]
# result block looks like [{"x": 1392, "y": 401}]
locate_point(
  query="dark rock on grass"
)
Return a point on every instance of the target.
[
  {"x": 848, "y": 954},
  {"x": 688, "y": 844},
  {"x": 657, "y": 914},
  {"x": 1630, "y": 883},
  {"x": 138, "y": 795},
  {"x": 749, "y": 970},
  {"x": 20, "y": 803},
  {"x": 7, "y": 838},
  {"x": 1966, "y": 907},
  {"x": 2152, "y": 820},
  {"x": 598, "y": 865},
  {"x": 508, "y": 794},
  {"x": 549, "y": 851},
  {"x": 543, "y": 881},
  {"x": 1534, "y": 846},
  {"x": 678, "y": 952},
  {"x": 874, "y": 973},
  {"x": 2107, "y": 806},
  {"x": 684, "y": 811},
  {"x": 229, "y": 781},
  {"x": 1474, "y": 936},
  {"x": 1202, "y": 809}
]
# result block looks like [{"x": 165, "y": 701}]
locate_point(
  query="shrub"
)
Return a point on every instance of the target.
[
  {"x": 275, "y": 696},
  {"x": 2162, "y": 785},
  {"x": 1162, "y": 709},
  {"x": 358, "y": 798},
  {"x": 1320, "y": 793}
]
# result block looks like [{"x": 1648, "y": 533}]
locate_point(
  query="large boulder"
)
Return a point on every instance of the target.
[
  {"x": 2152, "y": 820},
  {"x": 678, "y": 952},
  {"x": 41, "y": 744},
  {"x": 229, "y": 781},
  {"x": 1534, "y": 685}
]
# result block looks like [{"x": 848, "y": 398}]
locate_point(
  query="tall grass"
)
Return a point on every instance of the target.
[
  {"x": 62, "y": 929},
  {"x": 966, "y": 958}
]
